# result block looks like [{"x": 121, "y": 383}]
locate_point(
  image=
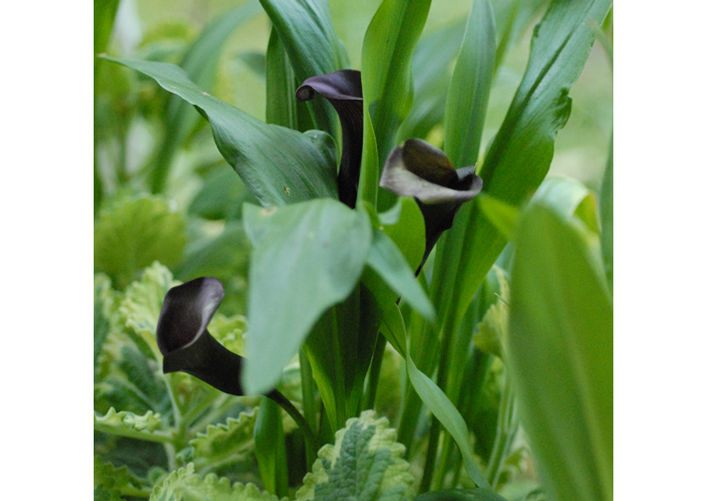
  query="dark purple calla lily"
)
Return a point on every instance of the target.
[
  {"x": 344, "y": 91},
  {"x": 418, "y": 169},
  {"x": 186, "y": 344}
]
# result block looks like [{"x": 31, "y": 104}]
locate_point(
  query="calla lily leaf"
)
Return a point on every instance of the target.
[
  {"x": 420, "y": 170},
  {"x": 185, "y": 342},
  {"x": 343, "y": 90}
]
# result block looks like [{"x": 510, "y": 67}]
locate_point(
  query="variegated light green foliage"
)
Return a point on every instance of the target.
[
  {"x": 224, "y": 444},
  {"x": 129, "y": 424},
  {"x": 491, "y": 331},
  {"x": 112, "y": 483},
  {"x": 186, "y": 485},
  {"x": 133, "y": 233},
  {"x": 365, "y": 462}
]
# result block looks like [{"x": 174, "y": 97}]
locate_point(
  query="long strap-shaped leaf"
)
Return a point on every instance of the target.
[
  {"x": 522, "y": 150},
  {"x": 280, "y": 166},
  {"x": 387, "y": 88},
  {"x": 310, "y": 41}
]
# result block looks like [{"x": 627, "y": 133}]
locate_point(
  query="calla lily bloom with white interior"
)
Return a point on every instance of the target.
[{"x": 420, "y": 170}]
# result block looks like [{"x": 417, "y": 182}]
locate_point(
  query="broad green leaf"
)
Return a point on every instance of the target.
[
  {"x": 512, "y": 19},
  {"x": 606, "y": 214},
  {"x": 431, "y": 67},
  {"x": 503, "y": 216},
  {"x": 404, "y": 224},
  {"x": 560, "y": 354},
  {"x": 468, "y": 94},
  {"x": 200, "y": 64},
  {"x": 520, "y": 154},
  {"x": 128, "y": 424},
  {"x": 386, "y": 67},
  {"x": 307, "y": 33},
  {"x": 186, "y": 485},
  {"x": 369, "y": 164},
  {"x": 278, "y": 165},
  {"x": 461, "y": 495},
  {"x": 134, "y": 233},
  {"x": 225, "y": 443},
  {"x": 306, "y": 258},
  {"x": 104, "y": 13},
  {"x": 387, "y": 261},
  {"x": 569, "y": 197},
  {"x": 220, "y": 196},
  {"x": 440, "y": 406},
  {"x": 365, "y": 462}
]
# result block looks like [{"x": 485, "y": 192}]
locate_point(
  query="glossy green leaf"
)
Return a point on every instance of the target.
[
  {"x": 186, "y": 485},
  {"x": 569, "y": 197},
  {"x": 560, "y": 354},
  {"x": 134, "y": 233},
  {"x": 280, "y": 85},
  {"x": 606, "y": 213},
  {"x": 503, "y": 216},
  {"x": 278, "y": 165},
  {"x": 443, "y": 409},
  {"x": 461, "y": 495},
  {"x": 431, "y": 74},
  {"x": 310, "y": 41},
  {"x": 389, "y": 264},
  {"x": 386, "y": 68},
  {"x": 520, "y": 154},
  {"x": 306, "y": 258},
  {"x": 365, "y": 462},
  {"x": 270, "y": 447},
  {"x": 200, "y": 64},
  {"x": 512, "y": 19},
  {"x": 404, "y": 224},
  {"x": 468, "y": 94}
]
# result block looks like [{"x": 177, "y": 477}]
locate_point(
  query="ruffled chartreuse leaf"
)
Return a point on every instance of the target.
[
  {"x": 112, "y": 483},
  {"x": 142, "y": 305},
  {"x": 225, "y": 443},
  {"x": 134, "y": 233},
  {"x": 306, "y": 258},
  {"x": 365, "y": 462},
  {"x": 128, "y": 424},
  {"x": 186, "y": 485},
  {"x": 279, "y": 165}
]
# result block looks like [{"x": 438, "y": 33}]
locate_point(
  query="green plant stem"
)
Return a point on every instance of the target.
[
  {"x": 503, "y": 435},
  {"x": 292, "y": 411},
  {"x": 374, "y": 375},
  {"x": 308, "y": 404}
]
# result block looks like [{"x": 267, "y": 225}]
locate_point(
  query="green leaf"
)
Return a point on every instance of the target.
[
  {"x": 270, "y": 447},
  {"x": 606, "y": 213},
  {"x": 280, "y": 85},
  {"x": 461, "y": 495},
  {"x": 468, "y": 95},
  {"x": 387, "y": 261},
  {"x": 440, "y": 406},
  {"x": 134, "y": 233},
  {"x": 186, "y": 485},
  {"x": 278, "y": 165},
  {"x": 560, "y": 354},
  {"x": 225, "y": 443},
  {"x": 200, "y": 64},
  {"x": 503, "y": 216},
  {"x": 386, "y": 68},
  {"x": 520, "y": 154},
  {"x": 307, "y": 33},
  {"x": 404, "y": 224},
  {"x": 365, "y": 462},
  {"x": 569, "y": 197},
  {"x": 306, "y": 258},
  {"x": 431, "y": 67}
]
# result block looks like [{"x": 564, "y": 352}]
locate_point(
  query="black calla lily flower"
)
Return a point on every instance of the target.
[
  {"x": 186, "y": 344},
  {"x": 418, "y": 169},
  {"x": 344, "y": 91}
]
